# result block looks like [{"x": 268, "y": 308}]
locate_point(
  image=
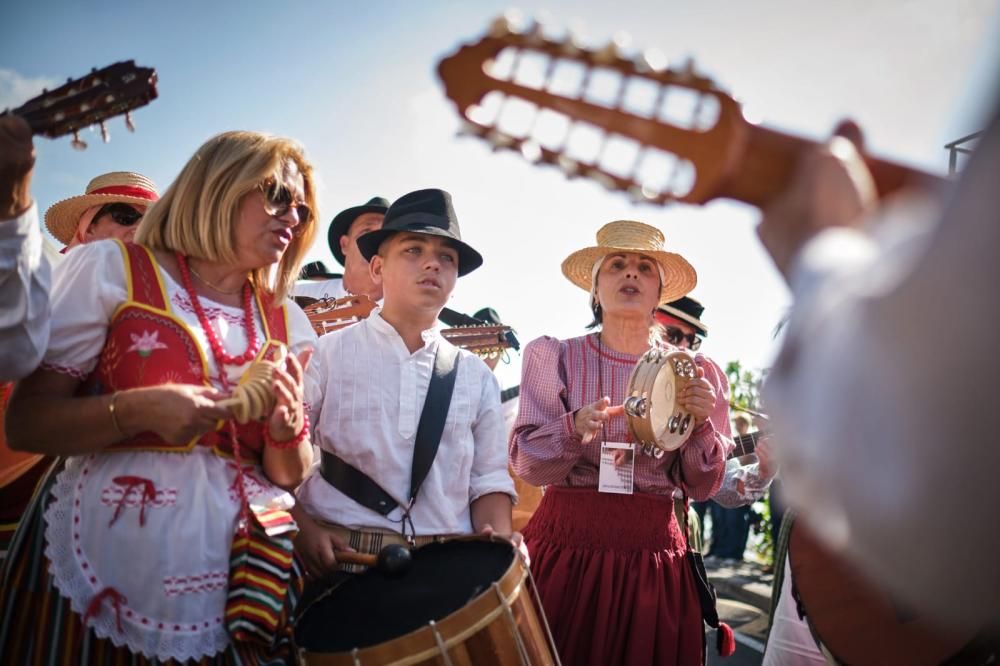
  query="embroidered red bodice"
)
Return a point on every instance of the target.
[{"x": 147, "y": 345}]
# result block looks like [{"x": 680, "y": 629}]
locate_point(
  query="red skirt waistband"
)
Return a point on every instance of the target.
[{"x": 585, "y": 518}]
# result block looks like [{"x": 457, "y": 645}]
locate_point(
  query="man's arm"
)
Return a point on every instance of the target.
[{"x": 25, "y": 276}]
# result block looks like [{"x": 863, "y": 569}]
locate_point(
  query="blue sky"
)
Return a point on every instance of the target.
[{"x": 355, "y": 83}]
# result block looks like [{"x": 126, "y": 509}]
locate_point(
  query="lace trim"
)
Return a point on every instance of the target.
[
  {"x": 182, "y": 301},
  {"x": 64, "y": 370},
  {"x": 75, "y": 580}
]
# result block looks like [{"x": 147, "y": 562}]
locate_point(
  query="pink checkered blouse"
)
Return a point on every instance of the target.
[{"x": 559, "y": 377}]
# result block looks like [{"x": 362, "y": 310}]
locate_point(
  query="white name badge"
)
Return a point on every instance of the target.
[{"x": 617, "y": 468}]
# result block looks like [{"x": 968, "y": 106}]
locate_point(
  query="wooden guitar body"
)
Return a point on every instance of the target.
[{"x": 856, "y": 621}]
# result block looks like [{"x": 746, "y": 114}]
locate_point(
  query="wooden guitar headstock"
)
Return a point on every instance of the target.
[
  {"x": 630, "y": 123},
  {"x": 486, "y": 341},
  {"x": 90, "y": 100},
  {"x": 327, "y": 315}
]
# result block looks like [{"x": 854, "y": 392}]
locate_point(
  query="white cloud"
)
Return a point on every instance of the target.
[{"x": 16, "y": 89}]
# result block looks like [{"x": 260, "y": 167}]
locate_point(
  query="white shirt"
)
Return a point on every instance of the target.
[
  {"x": 882, "y": 397},
  {"x": 24, "y": 295},
  {"x": 366, "y": 408},
  {"x": 332, "y": 288}
]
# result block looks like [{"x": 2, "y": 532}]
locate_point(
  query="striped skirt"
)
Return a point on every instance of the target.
[{"x": 38, "y": 626}]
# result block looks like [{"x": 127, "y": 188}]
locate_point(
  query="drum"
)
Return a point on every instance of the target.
[
  {"x": 656, "y": 421},
  {"x": 464, "y": 602}
]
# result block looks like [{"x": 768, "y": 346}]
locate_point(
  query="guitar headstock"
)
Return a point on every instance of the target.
[
  {"x": 486, "y": 341},
  {"x": 90, "y": 100},
  {"x": 630, "y": 123},
  {"x": 327, "y": 314}
]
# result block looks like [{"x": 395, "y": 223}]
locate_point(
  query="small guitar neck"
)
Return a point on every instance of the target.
[
  {"x": 770, "y": 158},
  {"x": 745, "y": 444}
]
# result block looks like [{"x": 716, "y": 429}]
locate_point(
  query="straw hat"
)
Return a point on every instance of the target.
[
  {"x": 679, "y": 276},
  {"x": 62, "y": 218}
]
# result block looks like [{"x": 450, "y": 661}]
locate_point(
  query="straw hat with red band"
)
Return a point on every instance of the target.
[
  {"x": 62, "y": 218},
  {"x": 678, "y": 276}
]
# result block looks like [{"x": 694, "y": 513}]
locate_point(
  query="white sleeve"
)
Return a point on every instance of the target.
[
  {"x": 87, "y": 288},
  {"x": 302, "y": 336},
  {"x": 25, "y": 279},
  {"x": 881, "y": 398},
  {"x": 489, "y": 432}
]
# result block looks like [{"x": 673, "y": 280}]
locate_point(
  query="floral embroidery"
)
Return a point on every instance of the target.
[{"x": 146, "y": 343}]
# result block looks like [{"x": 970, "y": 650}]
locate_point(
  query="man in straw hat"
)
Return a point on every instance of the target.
[
  {"x": 111, "y": 207},
  {"x": 606, "y": 520},
  {"x": 342, "y": 236},
  {"x": 368, "y": 418}
]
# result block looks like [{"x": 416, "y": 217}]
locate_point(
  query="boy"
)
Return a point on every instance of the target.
[{"x": 372, "y": 387}]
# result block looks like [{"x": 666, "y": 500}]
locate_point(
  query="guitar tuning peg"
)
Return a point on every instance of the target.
[
  {"x": 77, "y": 142},
  {"x": 105, "y": 135},
  {"x": 569, "y": 166},
  {"x": 536, "y": 32},
  {"x": 500, "y": 27},
  {"x": 531, "y": 151},
  {"x": 604, "y": 179},
  {"x": 499, "y": 139},
  {"x": 508, "y": 23},
  {"x": 608, "y": 54},
  {"x": 129, "y": 123},
  {"x": 651, "y": 60},
  {"x": 469, "y": 128}
]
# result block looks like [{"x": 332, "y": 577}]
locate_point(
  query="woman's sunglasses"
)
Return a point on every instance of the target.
[
  {"x": 675, "y": 335},
  {"x": 121, "y": 213},
  {"x": 278, "y": 200}
]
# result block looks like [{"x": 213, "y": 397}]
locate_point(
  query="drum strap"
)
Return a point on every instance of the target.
[{"x": 360, "y": 487}]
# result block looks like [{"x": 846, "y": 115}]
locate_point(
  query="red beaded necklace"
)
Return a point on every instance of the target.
[{"x": 221, "y": 357}]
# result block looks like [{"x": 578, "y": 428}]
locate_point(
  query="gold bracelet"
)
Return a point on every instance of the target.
[{"x": 114, "y": 415}]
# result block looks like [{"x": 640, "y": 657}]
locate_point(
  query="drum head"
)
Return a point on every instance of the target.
[{"x": 370, "y": 608}]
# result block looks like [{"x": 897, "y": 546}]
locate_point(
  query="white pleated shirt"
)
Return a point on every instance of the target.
[{"x": 365, "y": 407}]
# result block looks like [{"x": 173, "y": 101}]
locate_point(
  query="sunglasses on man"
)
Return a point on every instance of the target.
[
  {"x": 675, "y": 335},
  {"x": 120, "y": 213},
  {"x": 278, "y": 200}
]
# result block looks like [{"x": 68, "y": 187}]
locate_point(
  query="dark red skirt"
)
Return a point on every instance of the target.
[{"x": 613, "y": 579}]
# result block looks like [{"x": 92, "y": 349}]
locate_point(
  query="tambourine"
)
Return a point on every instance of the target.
[{"x": 655, "y": 419}]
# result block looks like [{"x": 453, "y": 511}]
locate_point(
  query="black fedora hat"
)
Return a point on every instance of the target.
[
  {"x": 342, "y": 222},
  {"x": 687, "y": 309},
  {"x": 423, "y": 212},
  {"x": 317, "y": 270}
]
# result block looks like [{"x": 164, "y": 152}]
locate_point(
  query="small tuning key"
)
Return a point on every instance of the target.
[
  {"x": 105, "y": 135},
  {"x": 77, "y": 142},
  {"x": 129, "y": 123}
]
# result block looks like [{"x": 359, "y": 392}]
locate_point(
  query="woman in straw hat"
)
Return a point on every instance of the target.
[
  {"x": 111, "y": 207},
  {"x": 148, "y": 541},
  {"x": 611, "y": 568}
]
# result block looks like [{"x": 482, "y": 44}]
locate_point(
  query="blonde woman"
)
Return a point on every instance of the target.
[
  {"x": 611, "y": 568},
  {"x": 124, "y": 554}
]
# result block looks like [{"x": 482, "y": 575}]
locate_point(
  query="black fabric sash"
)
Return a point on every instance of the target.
[{"x": 359, "y": 486}]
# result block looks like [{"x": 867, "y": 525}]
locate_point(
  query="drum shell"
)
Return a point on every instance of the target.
[{"x": 478, "y": 634}]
